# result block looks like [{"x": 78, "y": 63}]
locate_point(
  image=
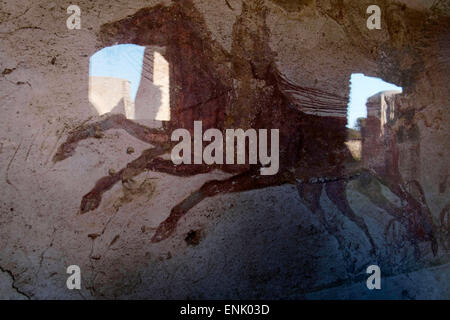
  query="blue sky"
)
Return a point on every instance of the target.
[
  {"x": 125, "y": 61},
  {"x": 120, "y": 61},
  {"x": 361, "y": 88}
]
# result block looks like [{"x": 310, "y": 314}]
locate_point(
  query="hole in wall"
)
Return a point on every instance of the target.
[
  {"x": 361, "y": 89},
  {"x": 131, "y": 80}
]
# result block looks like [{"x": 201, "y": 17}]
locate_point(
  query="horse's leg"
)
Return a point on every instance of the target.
[
  {"x": 115, "y": 121},
  {"x": 248, "y": 180},
  {"x": 92, "y": 200},
  {"x": 336, "y": 192}
]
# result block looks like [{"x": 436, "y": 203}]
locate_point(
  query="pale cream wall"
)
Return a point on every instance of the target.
[{"x": 107, "y": 93}]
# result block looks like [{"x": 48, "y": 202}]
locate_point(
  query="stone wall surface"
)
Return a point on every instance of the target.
[{"x": 101, "y": 192}]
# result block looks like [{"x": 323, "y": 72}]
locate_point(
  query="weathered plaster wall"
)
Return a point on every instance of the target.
[{"x": 296, "y": 240}]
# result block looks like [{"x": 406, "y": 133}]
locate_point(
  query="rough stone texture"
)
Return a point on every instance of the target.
[{"x": 140, "y": 228}]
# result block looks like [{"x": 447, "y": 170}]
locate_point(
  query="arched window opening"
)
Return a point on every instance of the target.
[{"x": 132, "y": 80}]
